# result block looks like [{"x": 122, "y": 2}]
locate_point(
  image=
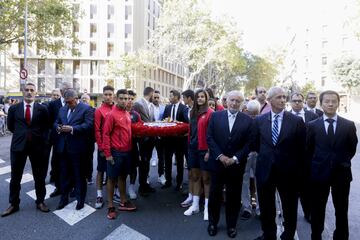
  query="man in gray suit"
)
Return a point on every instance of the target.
[{"x": 146, "y": 110}]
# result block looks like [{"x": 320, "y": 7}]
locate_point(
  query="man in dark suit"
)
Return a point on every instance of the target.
[
  {"x": 331, "y": 144},
  {"x": 297, "y": 108},
  {"x": 27, "y": 121},
  {"x": 311, "y": 100},
  {"x": 228, "y": 138},
  {"x": 144, "y": 107},
  {"x": 279, "y": 139},
  {"x": 73, "y": 125},
  {"x": 176, "y": 111},
  {"x": 53, "y": 108}
]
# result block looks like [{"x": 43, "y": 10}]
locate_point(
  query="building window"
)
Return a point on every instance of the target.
[
  {"x": 324, "y": 44},
  {"x": 127, "y": 47},
  {"x": 306, "y": 63},
  {"x": 41, "y": 66},
  {"x": 93, "y": 29},
  {"x": 128, "y": 12},
  {"x": 59, "y": 66},
  {"x": 21, "y": 47},
  {"x": 149, "y": 5},
  {"x": 41, "y": 84},
  {"x": 110, "y": 49},
  {"x": 76, "y": 67},
  {"x": 92, "y": 83},
  {"x": 324, "y": 29},
  {"x": 110, "y": 30},
  {"x": 111, "y": 11},
  {"x": 324, "y": 60},
  {"x": 58, "y": 82},
  {"x": 92, "y": 48},
  {"x": 148, "y": 34},
  {"x": 323, "y": 80},
  {"x": 127, "y": 30},
  {"x": 93, "y": 67},
  {"x": 76, "y": 27},
  {"x": 148, "y": 22},
  {"x": 92, "y": 11},
  {"x": 76, "y": 84},
  {"x": 345, "y": 42},
  {"x": 76, "y": 10}
]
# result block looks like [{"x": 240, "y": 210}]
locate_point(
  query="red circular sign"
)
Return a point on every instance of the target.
[{"x": 23, "y": 73}]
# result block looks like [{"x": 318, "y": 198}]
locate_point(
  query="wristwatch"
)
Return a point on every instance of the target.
[{"x": 235, "y": 159}]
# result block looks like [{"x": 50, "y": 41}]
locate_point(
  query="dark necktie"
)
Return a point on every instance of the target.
[
  {"x": 69, "y": 115},
  {"x": 28, "y": 114},
  {"x": 275, "y": 130},
  {"x": 173, "y": 113},
  {"x": 330, "y": 130}
]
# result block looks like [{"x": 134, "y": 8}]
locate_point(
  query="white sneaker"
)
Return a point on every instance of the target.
[
  {"x": 162, "y": 179},
  {"x": 153, "y": 163},
  {"x": 132, "y": 193},
  {"x": 206, "y": 214},
  {"x": 192, "y": 210},
  {"x": 187, "y": 203}
]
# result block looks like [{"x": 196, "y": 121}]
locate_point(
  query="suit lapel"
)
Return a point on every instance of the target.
[
  {"x": 146, "y": 109},
  {"x": 268, "y": 128},
  {"x": 284, "y": 127},
  {"x": 338, "y": 129},
  {"x": 21, "y": 112},
  {"x": 225, "y": 120}
]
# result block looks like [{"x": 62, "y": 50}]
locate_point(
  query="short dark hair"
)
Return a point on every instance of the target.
[
  {"x": 210, "y": 92},
  {"x": 108, "y": 88},
  {"x": 297, "y": 94},
  {"x": 310, "y": 93},
  {"x": 147, "y": 91},
  {"x": 256, "y": 89},
  {"x": 176, "y": 93},
  {"x": 70, "y": 93},
  {"x": 157, "y": 91},
  {"x": 329, "y": 92},
  {"x": 189, "y": 94},
  {"x": 131, "y": 93},
  {"x": 121, "y": 91}
]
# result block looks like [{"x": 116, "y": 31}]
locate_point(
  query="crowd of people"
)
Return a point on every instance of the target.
[{"x": 248, "y": 153}]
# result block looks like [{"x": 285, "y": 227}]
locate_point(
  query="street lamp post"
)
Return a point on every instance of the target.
[{"x": 23, "y": 81}]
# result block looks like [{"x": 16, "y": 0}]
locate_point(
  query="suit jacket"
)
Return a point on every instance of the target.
[
  {"x": 221, "y": 141},
  {"x": 331, "y": 161},
  {"x": 309, "y": 116},
  {"x": 181, "y": 114},
  {"x": 317, "y": 111},
  {"x": 53, "y": 109},
  {"x": 141, "y": 107},
  {"x": 21, "y": 130},
  {"x": 82, "y": 121},
  {"x": 287, "y": 155}
]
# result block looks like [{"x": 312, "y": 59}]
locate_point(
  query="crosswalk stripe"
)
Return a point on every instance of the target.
[
  {"x": 72, "y": 216},
  {"x": 27, "y": 177},
  {"x": 1, "y": 161},
  {"x": 125, "y": 233},
  {"x": 5, "y": 170},
  {"x": 49, "y": 189}
]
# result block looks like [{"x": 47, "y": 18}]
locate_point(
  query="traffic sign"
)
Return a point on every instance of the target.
[{"x": 23, "y": 73}]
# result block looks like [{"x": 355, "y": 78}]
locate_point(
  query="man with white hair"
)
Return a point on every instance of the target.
[
  {"x": 279, "y": 140},
  {"x": 252, "y": 109},
  {"x": 228, "y": 138}
]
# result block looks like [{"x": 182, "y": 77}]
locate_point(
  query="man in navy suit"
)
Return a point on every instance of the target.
[
  {"x": 311, "y": 100},
  {"x": 27, "y": 121},
  {"x": 279, "y": 139},
  {"x": 53, "y": 108},
  {"x": 176, "y": 111},
  {"x": 228, "y": 138},
  {"x": 297, "y": 108},
  {"x": 331, "y": 143},
  {"x": 73, "y": 125}
]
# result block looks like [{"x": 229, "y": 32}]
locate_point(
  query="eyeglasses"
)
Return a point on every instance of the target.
[
  {"x": 156, "y": 97},
  {"x": 261, "y": 91},
  {"x": 296, "y": 101},
  {"x": 29, "y": 90},
  {"x": 121, "y": 98}
]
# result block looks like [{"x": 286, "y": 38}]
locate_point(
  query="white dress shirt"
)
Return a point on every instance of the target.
[
  {"x": 231, "y": 118},
  {"x": 280, "y": 119},
  {"x": 301, "y": 114},
  {"x": 156, "y": 112},
  {"x": 176, "y": 109},
  {"x": 31, "y": 108},
  {"x": 311, "y": 109},
  {"x": 327, "y": 124},
  {"x": 63, "y": 103}
]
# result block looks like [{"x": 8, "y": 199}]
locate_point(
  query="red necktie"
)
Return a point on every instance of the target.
[{"x": 28, "y": 114}]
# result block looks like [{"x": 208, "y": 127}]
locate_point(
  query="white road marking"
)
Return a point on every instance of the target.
[
  {"x": 27, "y": 177},
  {"x": 71, "y": 216},
  {"x": 125, "y": 233},
  {"x": 1, "y": 161},
  {"x": 49, "y": 189},
  {"x": 5, "y": 170}
]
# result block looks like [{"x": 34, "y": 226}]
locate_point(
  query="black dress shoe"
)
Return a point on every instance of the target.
[
  {"x": 10, "y": 210},
  {"x": 167, "y": 185},
  {"x": 212, "y": 230},
  {"x": 260, "y": 238},
  {"x": 178, "y": 187},
  {"x": 149, "y": 189},
  {"x": 42, "y": 207},
  {"x": 308, "y": 218},
  {"x": 73, "y": 193},
  {"x": 79, "y": 205},
  {"x": 231, "y": 232},
  {"x": 143, "y": 192},
  {"x": 62, "y": 204},
  {"x": 55, "y": 193}
]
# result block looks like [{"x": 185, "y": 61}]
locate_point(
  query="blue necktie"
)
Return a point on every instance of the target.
[{"x": 275, "y": 130}]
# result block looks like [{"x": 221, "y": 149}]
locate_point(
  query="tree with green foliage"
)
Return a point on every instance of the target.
[
  {"x": 50, "y": 23},
  {"x": 346, "y": 70}
]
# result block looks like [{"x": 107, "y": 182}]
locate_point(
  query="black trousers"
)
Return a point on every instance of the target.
[
  {"x": 177, "y": 146},
  {"x": 73, "y": 174},
  {"x": 146, "y": 145},
  {"x": 231, "y": 177},
  {"x": 159, "y": 146},
  {"x": 55, "y": 168},
  {"x": 340, "y": 197},
  {"x": 90, "y": 161},
  {"x": 39, "y": 168},
  {"x": 288, "y": 192},
  {"x": 305, "y": 197}
]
